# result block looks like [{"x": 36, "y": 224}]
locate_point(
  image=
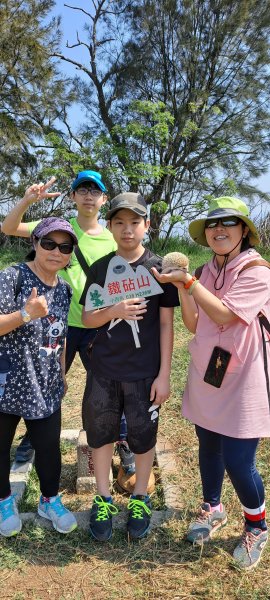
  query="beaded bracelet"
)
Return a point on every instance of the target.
[{"x": 191, "y": 288}]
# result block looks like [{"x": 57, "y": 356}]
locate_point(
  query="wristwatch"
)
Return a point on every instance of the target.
[{"x": 25, "y": 316}]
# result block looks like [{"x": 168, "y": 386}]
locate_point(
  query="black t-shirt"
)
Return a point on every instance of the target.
[{"x": 114, "y": 354}]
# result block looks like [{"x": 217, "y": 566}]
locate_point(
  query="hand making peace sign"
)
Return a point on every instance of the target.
[{"x": 38, "y": 191}]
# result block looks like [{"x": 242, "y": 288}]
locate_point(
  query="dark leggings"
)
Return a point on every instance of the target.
[
  {"x": 44, "y": 435},
  {"x": 78, "y": 340},
  {"x": 218, "y": 453}
]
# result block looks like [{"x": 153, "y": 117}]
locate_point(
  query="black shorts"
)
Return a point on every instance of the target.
[{"x": 104, "y": 402}]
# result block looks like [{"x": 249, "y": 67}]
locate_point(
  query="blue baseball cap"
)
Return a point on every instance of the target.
[{"x": 88, "y": 176}]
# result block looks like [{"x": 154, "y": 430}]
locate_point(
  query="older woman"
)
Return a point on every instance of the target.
[
  {"x": 227, "y": 390},
  {"x": 34, "y": 304}
]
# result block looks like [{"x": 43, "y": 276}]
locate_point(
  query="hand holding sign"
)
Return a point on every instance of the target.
[
  {"x": 126, "y": 291},
  {"x": 131, "y": 309}
]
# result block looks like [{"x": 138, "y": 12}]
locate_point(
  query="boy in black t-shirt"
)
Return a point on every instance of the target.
[{"x": 127, "y": 378}]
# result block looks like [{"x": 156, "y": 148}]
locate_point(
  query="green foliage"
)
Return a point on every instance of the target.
[
  {"x": 174, "y": 219},
  {"x": 159, "y": 207},
  {"x": 174, "y": 100},
  {"x": 197, "y": 254},
  {"x": 65, "y": 161},
  {"x": 12, "y": 255},
  {"x": 31, "y": 496},
  {"x": 189, "y": 129},
  {"x": 152, "y": 125},
  {"x": 230, "y": 187},
  {"x": 32, "y": 92},
  {"x": 166, "y": 113}
]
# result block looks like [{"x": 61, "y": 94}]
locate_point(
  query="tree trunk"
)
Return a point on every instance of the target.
[{"x": 155, "y": 222}]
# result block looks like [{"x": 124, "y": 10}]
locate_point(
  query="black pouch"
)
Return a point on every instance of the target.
[
  {"x": 89, "y": 349},
  {"x": 217, "y": 366}
]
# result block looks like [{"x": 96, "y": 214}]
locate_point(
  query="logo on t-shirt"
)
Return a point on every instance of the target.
[{"x": 122, "y": 283}]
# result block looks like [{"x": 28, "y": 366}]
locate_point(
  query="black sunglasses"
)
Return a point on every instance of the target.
[
  {"x": 225, "y": 222},
  {"x": 47, "y": 244}
]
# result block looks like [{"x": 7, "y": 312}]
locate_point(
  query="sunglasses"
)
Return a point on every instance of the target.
[
  {"x": 225, "y": 222},
  {"x": 47, "y": 244}
]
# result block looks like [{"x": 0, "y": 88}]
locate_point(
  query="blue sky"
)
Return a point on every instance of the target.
[{"x": 72, "y": 22}]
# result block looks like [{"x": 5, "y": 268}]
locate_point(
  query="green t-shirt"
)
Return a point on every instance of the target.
[{"x": 92, "y": 247}]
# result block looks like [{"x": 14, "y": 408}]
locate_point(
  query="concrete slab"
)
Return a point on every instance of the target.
[
  {"x": 167, "y": 464},
  {"x": 19, "y": 475}
]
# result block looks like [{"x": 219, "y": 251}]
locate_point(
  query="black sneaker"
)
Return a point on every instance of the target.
[
  {"x": 25, "y": 451},
  {"x": 127, "y": 457},
  {"x": 139, "y": 516},
  {"x": 101, "y": 518}
]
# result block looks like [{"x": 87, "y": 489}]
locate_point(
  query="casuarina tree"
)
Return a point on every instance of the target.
[
  {"x": 33, "y": 94},
  {"x": 176, "y": 98}
]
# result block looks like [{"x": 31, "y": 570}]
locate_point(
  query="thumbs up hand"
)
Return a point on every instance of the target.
[
  {"x": 36, "y": 306},
  {"x": 33, "y": 293}
]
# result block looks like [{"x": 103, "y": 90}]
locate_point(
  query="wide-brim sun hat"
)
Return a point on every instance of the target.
[
  {"x": 224, "y": 206},
  {"x": 88, "y": 177},
  {"x": 51, "y": 224}
]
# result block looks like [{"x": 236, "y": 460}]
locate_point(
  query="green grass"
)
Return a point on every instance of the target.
[
  {"x": 198, "y": 255},
  {"x": 12, "y": 254},
  {"x": 40, "y": 564},
  {"x": 194, "y": 252}
]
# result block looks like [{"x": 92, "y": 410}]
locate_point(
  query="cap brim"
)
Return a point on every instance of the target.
[
  {"x": 197, "y": 228},
  {"x": 142, "y": 212},
  {"x": 100, "y": 185},
  {"x": 52, "y": 229}
]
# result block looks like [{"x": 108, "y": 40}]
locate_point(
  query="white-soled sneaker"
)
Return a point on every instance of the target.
[
  {"x": 10, "y": 522},
  {"x": 206, "y": 524},
  {"x": 52, "y": 509},
  {"x": 248, "y": 552}
]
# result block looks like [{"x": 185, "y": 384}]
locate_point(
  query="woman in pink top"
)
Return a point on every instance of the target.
[{"x": 226, "y": 394}]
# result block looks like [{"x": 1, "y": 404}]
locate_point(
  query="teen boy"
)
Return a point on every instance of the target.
[
  {"x": 124, "y": 377},
  {"x": 88, "y": 194}
]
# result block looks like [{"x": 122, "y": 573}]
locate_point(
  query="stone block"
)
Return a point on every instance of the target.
[
  {"x": 84, "y": 485},
  {"x": 167, "y": 464},
  {"x": 86, "y": 481},
  {"x": 70, "y": 435}
]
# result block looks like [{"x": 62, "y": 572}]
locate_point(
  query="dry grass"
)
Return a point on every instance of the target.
[{"x": 43, "y": 565}]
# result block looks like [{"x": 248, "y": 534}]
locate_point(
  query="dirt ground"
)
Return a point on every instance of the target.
[{"x": 82, "y": 570}]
